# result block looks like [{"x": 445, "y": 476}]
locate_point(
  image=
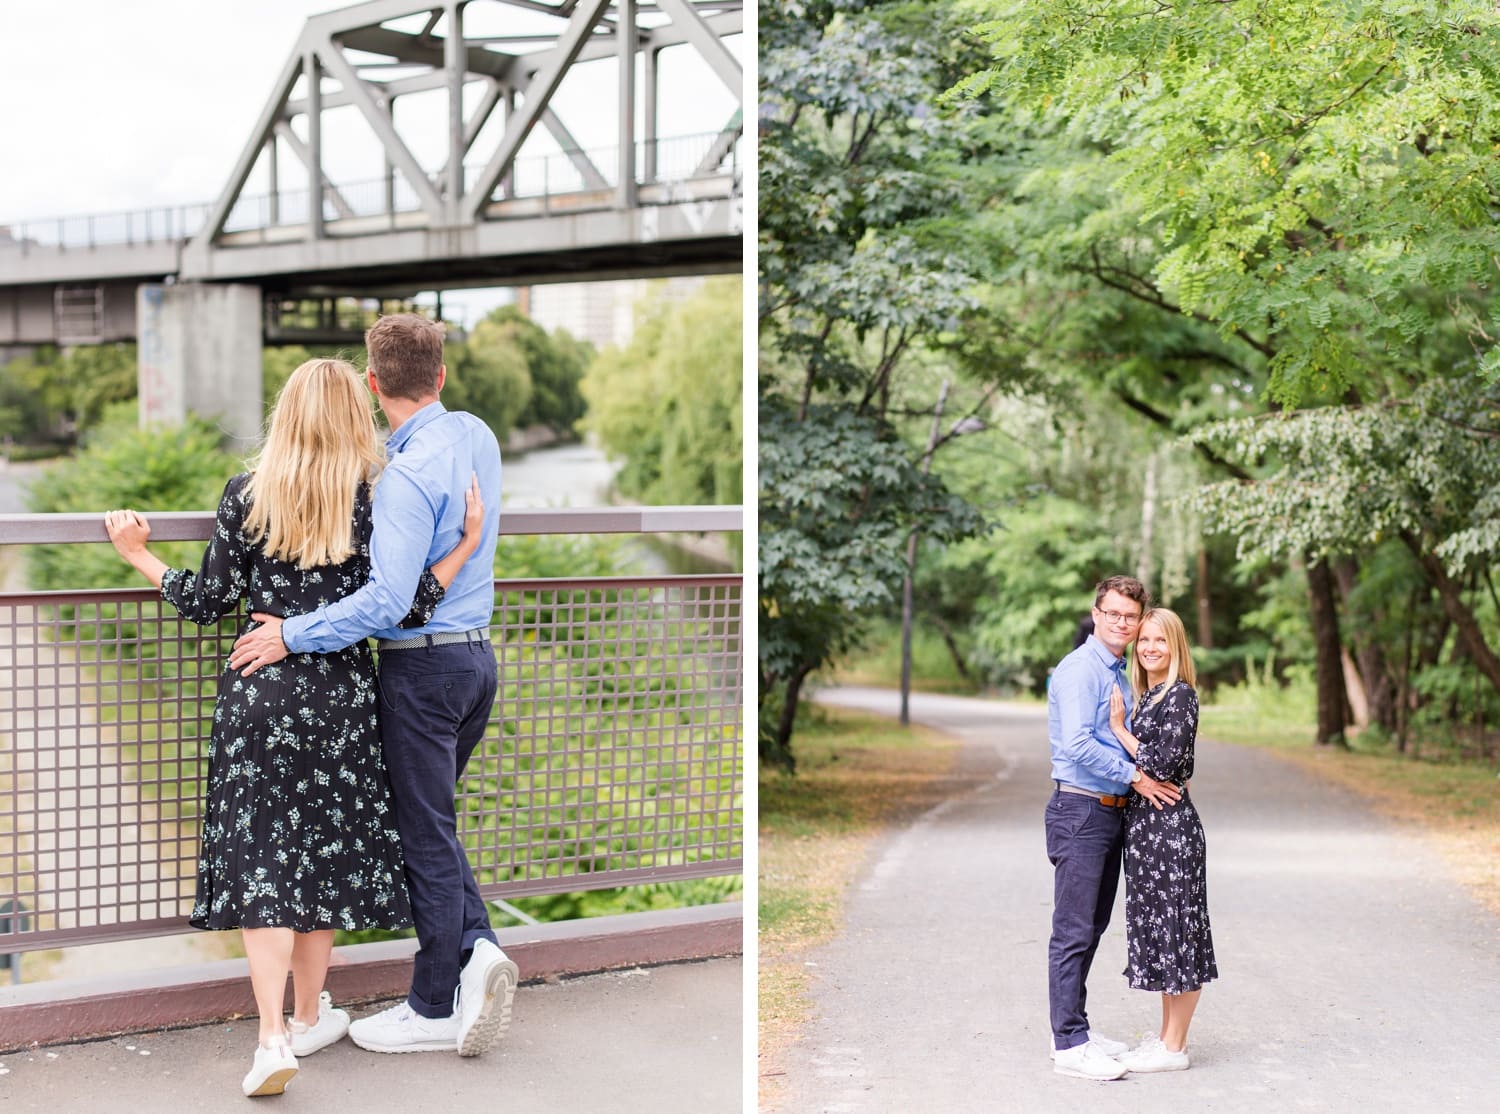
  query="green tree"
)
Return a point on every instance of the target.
[
  {"x": 62, "y": 392},
  {"x": 488, "y": 379},
  {"x": 182, "y": 468},
  {"x": 1294, "y": 199},
  {"x": 669, "y": 402},
  {"x": 870, "y": 294}
]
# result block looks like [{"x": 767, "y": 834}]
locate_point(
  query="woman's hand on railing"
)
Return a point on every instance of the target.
[{"x": 129, "y": 532}]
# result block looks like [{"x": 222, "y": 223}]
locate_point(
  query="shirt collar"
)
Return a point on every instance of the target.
[
  {"x": 1101, "y": 651},
  {"x": 403, "y": 433}
]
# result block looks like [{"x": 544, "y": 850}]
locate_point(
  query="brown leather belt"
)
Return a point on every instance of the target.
[{"x": 1103, "y": 798}]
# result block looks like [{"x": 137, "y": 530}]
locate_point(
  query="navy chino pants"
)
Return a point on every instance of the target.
[
  {"x": 435, "y": 703},
  {"x": 1085, "y": 842}
]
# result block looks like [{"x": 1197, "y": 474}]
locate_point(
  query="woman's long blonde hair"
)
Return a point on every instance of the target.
[
  {"x": 320, "y": 446},
  {"x": 1180, "y": 658}
]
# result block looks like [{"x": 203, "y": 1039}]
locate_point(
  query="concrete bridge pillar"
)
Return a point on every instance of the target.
[{"x": 200, "y": 352}]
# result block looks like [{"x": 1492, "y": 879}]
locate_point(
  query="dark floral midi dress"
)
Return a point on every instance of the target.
[
  {"x": 1169, "y": 947},
  {"x": 298, "y": 829}
]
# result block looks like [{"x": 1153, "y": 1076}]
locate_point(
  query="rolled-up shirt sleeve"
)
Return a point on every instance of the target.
[{"x": 404, "y": 524}]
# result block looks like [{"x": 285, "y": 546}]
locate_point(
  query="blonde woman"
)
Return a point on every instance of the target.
[
  {"x": 298, "y": 831},
  {"x": 1169, "y": 945}
]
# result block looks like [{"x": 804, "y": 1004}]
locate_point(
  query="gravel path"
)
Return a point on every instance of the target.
[{"x": 1356, "y": 975}]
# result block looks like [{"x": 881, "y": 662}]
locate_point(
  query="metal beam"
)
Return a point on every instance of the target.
[
  {"x": 453, "y": 59},
  {"x": 380, "y": 124},
  {"x": 728, "y": 137},
  {"x": 313, "y": 69},
  {"x": 706, "y": 41},
  {"x": 519, "y": 125},
  {"x": 284, "y": 131},
  {"x": 409, "y": 49},
  {"x": 593, "y": 179},
  {"x": 251, "y": 151},
  {"x": 625, "y": 162}
]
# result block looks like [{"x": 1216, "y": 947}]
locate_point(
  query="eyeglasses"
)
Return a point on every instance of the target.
[{"x": 1118, "y": 618}]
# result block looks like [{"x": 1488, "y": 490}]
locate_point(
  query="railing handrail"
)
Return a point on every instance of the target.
[{"x": 166, "y": 526}]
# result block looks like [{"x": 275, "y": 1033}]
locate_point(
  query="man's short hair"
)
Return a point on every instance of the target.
[
  {"x": 405, "y": 353},
  {"x": 1127, "y": 586}
]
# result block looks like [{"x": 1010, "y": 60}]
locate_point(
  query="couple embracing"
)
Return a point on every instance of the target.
[
  {"x": 330, "y": 796},
  {"x": 1122, "y": 755}
]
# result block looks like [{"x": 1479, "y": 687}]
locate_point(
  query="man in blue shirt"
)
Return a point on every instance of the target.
[
  {"x": 437, "y": 685},
  {"x": 1085, "y": 819}
]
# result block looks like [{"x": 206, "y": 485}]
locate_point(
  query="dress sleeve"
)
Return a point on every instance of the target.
[
  {"x": 224, "y": 574},
  {"x": 1168, "y": 754},
  {"x": 429, "y": 594}
]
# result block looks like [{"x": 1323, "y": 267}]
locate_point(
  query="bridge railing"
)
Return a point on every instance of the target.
[
  {"x": 669, "y": 159},
  {"x": 614, "y": 754}
]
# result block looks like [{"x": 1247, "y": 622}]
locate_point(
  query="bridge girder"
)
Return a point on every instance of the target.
[{"x": 350, "y": 47}]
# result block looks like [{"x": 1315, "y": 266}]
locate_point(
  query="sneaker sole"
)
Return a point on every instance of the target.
[
  {"x": 1076, "y": 1074},
  {"x": 494, "y": 1014},
  {"x": 273, "y": 1084},
  {"x": 308, "y": 1050},
  {"x": 425, "y": 1046}
]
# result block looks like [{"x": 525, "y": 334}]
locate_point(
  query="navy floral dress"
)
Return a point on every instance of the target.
[
  {"x": 1169, "y": 947},
  {"x": 298, "y": 830}
]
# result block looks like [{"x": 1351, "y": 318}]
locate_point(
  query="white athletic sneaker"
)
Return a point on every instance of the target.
[
  {"x": 331, "y": 1026},
  {"x": 486, "y": 989},
  {"x": 1102, "y": 1043},
  {"x": 1152, "y": 1055},
  {"x": 270, "y": 1071},
  {"x": 402, "y": 1029},
  {"x": 1086, "y": 1062}
]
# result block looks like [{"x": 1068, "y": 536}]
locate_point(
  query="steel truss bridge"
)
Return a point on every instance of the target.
[{"x": 478, "y": 179}]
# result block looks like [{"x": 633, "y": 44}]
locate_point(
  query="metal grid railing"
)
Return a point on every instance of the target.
[{"x": 614, "y": 754}]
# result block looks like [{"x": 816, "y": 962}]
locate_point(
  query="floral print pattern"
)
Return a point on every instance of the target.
[
  {"x": 1169, "y": 946},
  {"x": 298, "y": 830}
]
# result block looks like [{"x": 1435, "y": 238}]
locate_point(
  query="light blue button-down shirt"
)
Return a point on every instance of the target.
[
  {"x": 1085, "y": 751},
  {"x": 418, "y": 516}
]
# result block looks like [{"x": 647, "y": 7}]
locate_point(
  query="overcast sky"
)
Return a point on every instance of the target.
[{"x": 109, "y": 105}]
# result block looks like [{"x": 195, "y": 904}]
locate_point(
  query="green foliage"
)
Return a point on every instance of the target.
[
  {"x": 839, "y": 493},
  {"x": 669, "y": 402},
  {"x": 278, "y": 362},
  {"x": 1347, "y": 478},
  {"x": 173, "y": 469},
  {"x": 58, "y": 394},
  {"x": 1294, "y": 174},
  {"x": 512, "y": 373},
  {"x": 869, "y": 297}
]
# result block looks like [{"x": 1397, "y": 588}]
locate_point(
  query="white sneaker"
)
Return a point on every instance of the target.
[
  {"x": 331, "y": 1026},
  {"x": 486, "y": 988},
  {"x": 402, "y": 1029},
  {"x": 270, "y": 1071},
  {"x": 1152, "y": 1055},
  {"x": 1102, "y": 1043},
  {"x": 1086, "y": 1062}
]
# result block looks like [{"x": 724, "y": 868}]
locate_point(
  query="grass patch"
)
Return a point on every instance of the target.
[
  {"x": 1454, "y": 802},
  {"x": 858, "y": 773},
  {"x": 878, "y": 662}
]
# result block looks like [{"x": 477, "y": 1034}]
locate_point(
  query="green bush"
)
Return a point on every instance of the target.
[{"x": 174, "y": 469}]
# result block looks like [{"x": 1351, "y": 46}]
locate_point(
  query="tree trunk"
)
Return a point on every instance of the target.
[
  {"x": 1205, "y": 606},
  {"x": 1330, "y": 668},
  {"x": 778, "y": 749},
  {"x": 1451, "y": 595},
  {"x": 1374, "y": 668}
]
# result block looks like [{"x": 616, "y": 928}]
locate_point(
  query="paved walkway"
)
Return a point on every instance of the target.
[
  {"x": 664, "y": 1040},
  {"x": 1356, "y": 975}
]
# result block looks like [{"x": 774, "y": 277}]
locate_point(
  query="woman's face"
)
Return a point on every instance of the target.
[{"x": 1151, "y": 648}]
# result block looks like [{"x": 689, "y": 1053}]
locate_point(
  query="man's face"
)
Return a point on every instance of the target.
[{"x": 1115, "y": 621}]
